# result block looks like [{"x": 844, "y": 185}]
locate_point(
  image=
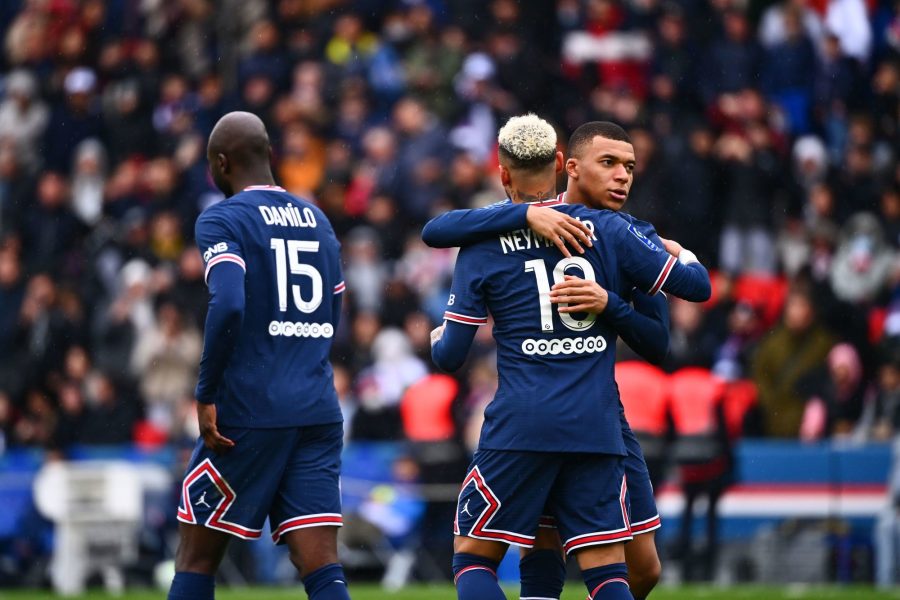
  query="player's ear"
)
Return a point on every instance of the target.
[
  {"x": 572, "y": 168},
  {"x": 560, "y": 161},
  {"x": 505, "y": 177},
  {"x": 222, "y": 160}
]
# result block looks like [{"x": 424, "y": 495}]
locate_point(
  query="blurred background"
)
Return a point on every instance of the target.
[{"x": 767, "y": 140}]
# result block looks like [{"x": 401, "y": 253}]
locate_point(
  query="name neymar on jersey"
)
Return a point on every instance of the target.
[{"x": 526, "y": 239}]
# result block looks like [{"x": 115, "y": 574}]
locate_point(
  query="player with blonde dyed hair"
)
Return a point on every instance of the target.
[
  {"x": 528, "y": 153},
  {"x": 527, "y": 141},
  {"x": 552, "y": 438},
  {"x": 601, "y": 172}
]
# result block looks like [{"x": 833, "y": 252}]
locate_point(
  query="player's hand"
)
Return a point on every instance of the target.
[
  {"x": 215, "y": 441},
  {"x": 672, "y": 247},
  {"x": 437, "y": 333},
  {"x": 581, "y": 295},
  {"x": 559, "y": 228}
]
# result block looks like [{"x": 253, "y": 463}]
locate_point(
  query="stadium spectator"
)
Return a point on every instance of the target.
[
  {"x": 74, "y": 119},
  {"x": 836, "y": 395},
  {"x": 164, "y": 362},
  {"x": 788, "y": 69},
  {"x": 794, "y": 349},
  {"x": 88, "y": 181},
  {"x": 23, "y": 117},
  {"x": 692, "y": 343},
  {"x": 422, "y": 150},
  {"x": 863, "y": 260},
  {"x": 887, "y": 400}
]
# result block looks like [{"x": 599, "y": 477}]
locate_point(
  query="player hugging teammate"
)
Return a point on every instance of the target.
[{"x": 555, "y": 442}]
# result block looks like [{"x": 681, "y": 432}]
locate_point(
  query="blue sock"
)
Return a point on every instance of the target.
[
  {"x": 476, "y": 578},
  {"x": 327, "y": 583},
  {"x": 543, "y": 574},
  {"x": 192, "y": 586},
  {"x": 609, "y": 582}
]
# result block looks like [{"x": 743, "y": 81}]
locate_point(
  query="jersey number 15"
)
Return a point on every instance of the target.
[{"x": 287, "y": 255}]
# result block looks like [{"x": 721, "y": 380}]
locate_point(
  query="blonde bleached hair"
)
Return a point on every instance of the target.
[{"x": 527, "y": 142}]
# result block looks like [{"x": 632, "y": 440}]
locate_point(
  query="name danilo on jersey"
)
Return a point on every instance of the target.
[{"x": 288, "y": 216}]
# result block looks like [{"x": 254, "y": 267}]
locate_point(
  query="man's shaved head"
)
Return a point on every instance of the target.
[{"x": 238, "y": 147}]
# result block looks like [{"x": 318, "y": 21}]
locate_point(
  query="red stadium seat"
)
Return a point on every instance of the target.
[
  {"x": 642, "y": 388},
  {"x": 426, "y": 409},
  {"x": 147, "y": 435},
  {"x": 764, "y": 292},
  {"x": 740, "y": 396},
  {"x": 701, "y": 446},
  {"x": 694, "y": 397}
]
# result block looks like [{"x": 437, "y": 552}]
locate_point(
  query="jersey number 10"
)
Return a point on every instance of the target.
[
  {"x": 287, "y": 254},
  {"x": 539, "y": 269}
]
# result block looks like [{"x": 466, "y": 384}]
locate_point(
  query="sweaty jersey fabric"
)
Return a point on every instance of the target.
[
  {"x": 278, "y": 374},
  {"x": 556, "y": 386}
]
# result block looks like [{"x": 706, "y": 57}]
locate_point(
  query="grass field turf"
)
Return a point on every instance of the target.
[{"x": 573, "y": 592}]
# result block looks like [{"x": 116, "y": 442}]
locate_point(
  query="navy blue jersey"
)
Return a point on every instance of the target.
[
  {"x": 556, "y": 386},
  {"x": 642, "y": 229},
  {"x": 278, "y": 374}
]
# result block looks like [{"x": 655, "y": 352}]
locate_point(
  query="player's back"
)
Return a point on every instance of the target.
[
  {"x": 556, "y": 387},
  {"x": 279, "y": 374}
]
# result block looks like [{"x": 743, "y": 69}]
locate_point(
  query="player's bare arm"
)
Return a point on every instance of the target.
[{"x": 560, "y": 228}]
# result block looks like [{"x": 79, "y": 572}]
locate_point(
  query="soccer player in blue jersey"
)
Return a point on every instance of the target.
[
  {"x": 552, "y": 435},
  {"x": 269, "y": 418},
  {"x": 601, "y": 159}
]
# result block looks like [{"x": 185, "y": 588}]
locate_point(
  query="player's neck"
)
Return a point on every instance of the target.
[
  {"x": 250, "y": 179},
  {"x": 573, "y": 196},
  {"x": 532, "y": 195}
]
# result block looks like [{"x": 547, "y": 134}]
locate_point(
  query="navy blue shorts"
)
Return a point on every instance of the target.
[
  {"x": 290, "y": 475},
  {"x": 644, "y": 514},
  {"x": 506, "y": 491}
]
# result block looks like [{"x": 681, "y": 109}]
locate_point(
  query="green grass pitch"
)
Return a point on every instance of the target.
[{"x": 574, "y": 591}]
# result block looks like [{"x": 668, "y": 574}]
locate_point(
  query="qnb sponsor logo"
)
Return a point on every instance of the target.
[
  {"x": 585, "y": 345},
  {"x": 213, "y": 250},
  {"x": 294, "y": 329}
]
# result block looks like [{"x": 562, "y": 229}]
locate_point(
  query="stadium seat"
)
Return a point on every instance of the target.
[
  {"x": 426, "y": 409},
  {"x": 695, "y": 401},
  {"x": 740, "y": 396},
  {"x": 764, "y": 292},
  {"x": 642, "y": 388}
]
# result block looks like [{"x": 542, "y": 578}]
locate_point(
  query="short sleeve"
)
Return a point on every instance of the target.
[
  {"x": 646, "y": 264},
  {"x": 466, "y": 304},
  {"x": 217, "y": 242}
]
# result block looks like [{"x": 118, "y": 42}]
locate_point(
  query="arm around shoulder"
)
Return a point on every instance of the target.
[{"x": 470, "y": 225}]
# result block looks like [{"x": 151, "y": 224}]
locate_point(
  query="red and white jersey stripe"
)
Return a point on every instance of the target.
[
  {"x": 465, "y": 319},
  {"x": 340, "y": 287},
  {"x": 227, "y": 257},
  {"x": 663, "y": 275}
]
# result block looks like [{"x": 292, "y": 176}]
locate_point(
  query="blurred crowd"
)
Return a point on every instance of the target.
[{"x": 766, "y": 136}]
